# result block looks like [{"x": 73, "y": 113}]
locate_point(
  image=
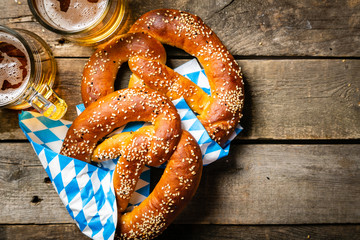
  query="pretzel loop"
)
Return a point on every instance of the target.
[
  {"x": 100, "y": 71},
  {"x": 152, "y": 145}
]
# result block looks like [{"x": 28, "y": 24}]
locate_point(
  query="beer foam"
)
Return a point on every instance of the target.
[
  {"x": 80, "y": 15},
  {"x": 10, "y": 70}
]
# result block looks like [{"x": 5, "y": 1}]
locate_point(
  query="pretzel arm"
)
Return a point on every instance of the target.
[
  {"x": 135, "y": 81},
  {"x": 176, "y": 187},
  {"x": 127, "y": 146},
  {"x": 111, "y": 147},
  {"x": 158, "y": 76}
]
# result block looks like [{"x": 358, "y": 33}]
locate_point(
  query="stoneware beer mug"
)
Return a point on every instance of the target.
[
  {"x": 87, "y": 22},
  {"x": 27, "y": 73}
]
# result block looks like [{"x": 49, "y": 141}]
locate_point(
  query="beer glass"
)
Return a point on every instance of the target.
[
  {"x": 87, "y": 22},
  {"x": 27, "y": 73}
]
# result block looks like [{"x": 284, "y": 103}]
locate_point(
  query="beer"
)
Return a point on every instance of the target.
[
  {"x": 27, "y": 73},
  {"x": 14, "y": 68},
  {"x": 75, "y": 15},
  {"x": 87, "y": 22}
]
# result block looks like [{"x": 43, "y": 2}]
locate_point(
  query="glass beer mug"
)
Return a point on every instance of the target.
[
  {"x": 27, "y": 73},
  {"x": 87, "y": 22}
]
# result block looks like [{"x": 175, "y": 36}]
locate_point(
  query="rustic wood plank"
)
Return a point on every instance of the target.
[
  {"x": 247, "y": 28},
  {"x": 302, "y": 99},
  {"x": 41, "y": 232},
  {"x": 280, "y": 184},
  {"x": 207, "y": 232},
  {"x": 256, "y": 184},
  {"x": 284, "y": 99},
  {"x": 198, "y": 232},
  {"x": 24, "y": 184}
]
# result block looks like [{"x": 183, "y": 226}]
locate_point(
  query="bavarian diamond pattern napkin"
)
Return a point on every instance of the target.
[{"x": 87, "y": 190}]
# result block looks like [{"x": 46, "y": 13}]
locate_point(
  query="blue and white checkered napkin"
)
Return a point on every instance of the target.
[
  {"x": 87, "y": 190},
  {"x": 211, "y": 151}
]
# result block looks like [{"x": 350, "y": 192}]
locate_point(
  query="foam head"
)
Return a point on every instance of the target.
[
  {"x": 14, "y": 68},
  {"x": 77, "y": 15}
]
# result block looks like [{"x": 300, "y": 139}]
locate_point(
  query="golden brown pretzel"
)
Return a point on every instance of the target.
[
  {"x": 100, "y": 71},
  {"x": 152, "y": 145},
  {"x": 219, "y": 113}
]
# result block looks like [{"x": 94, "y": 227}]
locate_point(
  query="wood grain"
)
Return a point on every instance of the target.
[
  {"x": 284, "y": 99},
  {"x": 256, "y": 184},
  {"x": 302, "y": 72},
  {"x": 206, "y": 232},
  {"x": 41, "y": 232},
  {"x": 247, "y": 28},
  {"x": 196, "y": 232}
]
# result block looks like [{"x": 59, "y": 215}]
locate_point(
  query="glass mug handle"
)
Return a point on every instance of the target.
[{"x": 51, "y": 105}]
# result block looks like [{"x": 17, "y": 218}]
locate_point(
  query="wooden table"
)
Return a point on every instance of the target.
[{"x": 293, "y": 173}]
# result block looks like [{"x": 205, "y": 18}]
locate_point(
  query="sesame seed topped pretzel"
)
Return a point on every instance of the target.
[
  {"x": 163, "y": 141},
  {"x": 220, "y": 112}
]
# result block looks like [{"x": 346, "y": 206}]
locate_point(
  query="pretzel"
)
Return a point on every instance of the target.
[
  {"x": 100, "y": 71},
  {"x": 220, "y": 112},
  {"x": 152, "y": 145}
]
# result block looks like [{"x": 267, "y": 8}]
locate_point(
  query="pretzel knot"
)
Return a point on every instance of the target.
[{"x": 152, "y": 145}]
